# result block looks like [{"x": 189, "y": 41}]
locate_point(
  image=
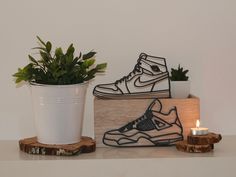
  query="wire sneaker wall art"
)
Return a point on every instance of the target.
[
  {"x": 149, "y": 79},
  {"x": 153, "y": 128}
]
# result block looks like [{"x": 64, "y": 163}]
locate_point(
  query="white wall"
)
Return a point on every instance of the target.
[{"x": 201, "y": 35}]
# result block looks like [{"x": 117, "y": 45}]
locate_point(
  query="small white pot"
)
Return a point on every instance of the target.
[
  {"x": 180, "y": 89},
  {"x": 58, "y": 112}
]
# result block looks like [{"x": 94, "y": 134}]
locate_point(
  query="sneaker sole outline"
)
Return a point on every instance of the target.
[{"x": 159, "y": 94}]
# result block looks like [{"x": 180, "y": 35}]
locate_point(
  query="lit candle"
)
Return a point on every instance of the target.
[{"x": 199, "y": 130}]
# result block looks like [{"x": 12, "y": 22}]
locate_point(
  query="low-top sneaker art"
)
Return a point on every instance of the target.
[
  {"x": 153, "y": 128},
  {"x": 149, "y": 79}
]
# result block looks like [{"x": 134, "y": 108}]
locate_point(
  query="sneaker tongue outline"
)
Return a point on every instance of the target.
[
  {"x": 155, "y": 106},
  {"x": 151, "y": 67}
]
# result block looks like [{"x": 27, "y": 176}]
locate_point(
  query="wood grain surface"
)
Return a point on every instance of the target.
[
  {"x": 210, "y": 138},
  {"x": 185, "y": 147},
  {"x": 112, "y": 114},
  {"x": 199, "y": 143},
  {"x": 32, "y": 146}
]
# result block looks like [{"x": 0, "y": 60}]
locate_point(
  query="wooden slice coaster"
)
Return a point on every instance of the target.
[
  {"x": 185, "y": 147},
  {"x": 31, "y": 146},
  {"x": 210, "y": 138}
]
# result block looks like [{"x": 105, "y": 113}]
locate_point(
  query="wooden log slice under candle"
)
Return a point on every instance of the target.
[
  {"x": 32, "y": 146},
  {"x": 185, "y": 147},
  {"x": 210, "y": 138}
]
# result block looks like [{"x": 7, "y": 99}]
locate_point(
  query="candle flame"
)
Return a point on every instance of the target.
[{"x": 198, "y": 124}]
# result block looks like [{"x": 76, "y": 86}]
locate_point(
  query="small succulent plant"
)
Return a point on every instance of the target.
[
  {"x": 179, "y": 74},
  {"x": 59, "y": 68}
]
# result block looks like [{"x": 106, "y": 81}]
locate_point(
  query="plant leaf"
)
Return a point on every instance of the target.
[
  {"x": 18, "y": 80},
  {"x": 70, "y": 50},
  {"x": 101, "y": 66},
  {"x": 58, "y": 52},
  {"x": 32, "y": 59},
  {"x": 59, "y": 69},
  {"x": 89, "y": 62},
  {"x": 44, "y": 56},
  {"x": 88, "y": 55},
  {"x": 40, "y": 48},
  {"x": 48, "y": 46},
  {"x": 179, "y": 74},
  {"x": 41, "y": 41}
]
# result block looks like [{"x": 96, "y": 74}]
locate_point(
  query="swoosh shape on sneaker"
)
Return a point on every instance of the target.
[{"x": 139, "y": 83}]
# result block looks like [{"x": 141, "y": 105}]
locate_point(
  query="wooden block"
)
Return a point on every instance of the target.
[
  {"x": 185, "y": 147},
  {"x": 112, "y": 114},
  {"x": 31, "y": 146},
  {"x": 210, "y": 138}
]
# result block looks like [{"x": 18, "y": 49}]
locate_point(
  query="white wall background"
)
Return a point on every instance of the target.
[{"x": 201, "y": 35}]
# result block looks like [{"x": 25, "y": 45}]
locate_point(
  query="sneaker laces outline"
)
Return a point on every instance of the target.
[
  {"x": 135, "y": 70},
  {"x": 147, "y": 115}
]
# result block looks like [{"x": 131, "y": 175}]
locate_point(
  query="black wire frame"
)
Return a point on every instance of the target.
[
  {"x": 158, "y": 94},
  {"x": 162, "y": 142}
]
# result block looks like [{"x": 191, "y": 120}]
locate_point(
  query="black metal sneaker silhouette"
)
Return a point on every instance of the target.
[
  {"x": 149, "y": 79},
  {"x": 153, "y": 128}
]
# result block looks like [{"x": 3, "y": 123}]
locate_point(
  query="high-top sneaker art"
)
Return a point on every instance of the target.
[
  {"x": 153, "y": 128},
  {"x": 149, "y": 79}
]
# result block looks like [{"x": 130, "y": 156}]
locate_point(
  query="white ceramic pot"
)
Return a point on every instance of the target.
[
  {"x": 58, "y": 112},
  {"x": 180, "y": 89}
]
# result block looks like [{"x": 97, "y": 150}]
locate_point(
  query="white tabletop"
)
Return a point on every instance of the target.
[{"x": 154, "y": 161}]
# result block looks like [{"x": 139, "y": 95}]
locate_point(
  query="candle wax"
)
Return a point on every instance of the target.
[{"x": 199, "y": 131}]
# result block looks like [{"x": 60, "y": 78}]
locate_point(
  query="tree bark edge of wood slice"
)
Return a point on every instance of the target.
[
  {"x": 32, "y": 146},
  {"x": 185, "y": 147},
  {"x": 210, "y": 138}
]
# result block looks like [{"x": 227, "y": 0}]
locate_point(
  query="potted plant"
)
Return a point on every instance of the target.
[
  {"x": 180, "y": 85},
  {"x": 58, "y": 83}
]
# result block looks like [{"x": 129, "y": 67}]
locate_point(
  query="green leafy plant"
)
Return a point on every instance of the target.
[
  {"x": 179, "y": 74},
  {"x": 59, "y": 68}
]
